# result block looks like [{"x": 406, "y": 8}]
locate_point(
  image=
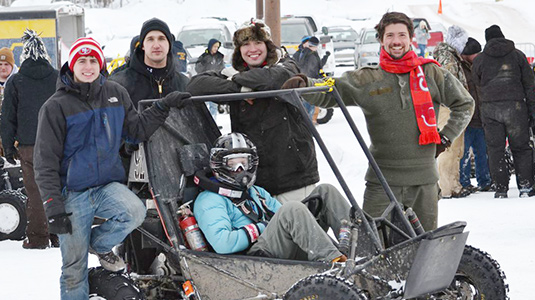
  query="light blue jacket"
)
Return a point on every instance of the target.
[{"x": 221, "y": 221}]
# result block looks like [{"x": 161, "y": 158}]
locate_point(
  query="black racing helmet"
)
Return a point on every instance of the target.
[{"x": 234, "y": 160}]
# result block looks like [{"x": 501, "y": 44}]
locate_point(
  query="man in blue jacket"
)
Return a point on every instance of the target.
[
  {"x": 238, "y": 217},
  {"x": 77, "y": 166}
]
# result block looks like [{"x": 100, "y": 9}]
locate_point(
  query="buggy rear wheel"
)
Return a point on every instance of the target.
[
  {"x": 322, "y": 287},
  {"x": 325, "y": 115},
  {"x": 12, "y": 215},
  {"x": 106, "y": 285},
  {"x": 478, "y": 277}
]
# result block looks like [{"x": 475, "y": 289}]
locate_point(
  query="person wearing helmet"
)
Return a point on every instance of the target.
[{"x": 238, "y": 217}]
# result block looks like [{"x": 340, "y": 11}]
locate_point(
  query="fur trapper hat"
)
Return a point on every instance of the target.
[
  {"x": 253, "y": 31},
  {"x": 493, "y": 32},
  {"x": 457, "y": 38},
  {"x": 33, "y": 46}
]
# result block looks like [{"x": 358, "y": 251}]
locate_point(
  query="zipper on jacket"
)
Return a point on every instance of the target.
[{"x": 160, "y": 86}]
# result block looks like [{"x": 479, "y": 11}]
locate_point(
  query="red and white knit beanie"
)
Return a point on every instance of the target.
[{"x": 86, "y": 47}]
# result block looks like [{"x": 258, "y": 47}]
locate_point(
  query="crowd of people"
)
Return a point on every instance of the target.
[{"x": 425, "y": 117}]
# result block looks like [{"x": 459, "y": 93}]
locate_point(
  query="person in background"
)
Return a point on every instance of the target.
[
  {"x": 474, "y": 135},
  {"x": 7, "y": 69},
  {"x": 422, "y": 36},
  {"x": 289, "y": 168},
  {"x": 448, "y": 54},
  {"x": 77, "y": 166},
  {"x": 257, "y": 224},
  {"x": 399, "y": 99},
  {"x": 310, "y": 64},
  {"x": 133, "y": 44},
  {"x": 507, "y": 93},
  {"x": 24, "y": 95},
  {"x": 181, "y": 56},
  {"x": 211, "y": 60}
]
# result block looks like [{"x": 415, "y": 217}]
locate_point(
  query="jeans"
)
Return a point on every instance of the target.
[
  {"x": 123, "y": 212},
  {"x": 309, "y": 109},
  {"x": 475, "y": 138},
  {"x": 422, "y": 49}
]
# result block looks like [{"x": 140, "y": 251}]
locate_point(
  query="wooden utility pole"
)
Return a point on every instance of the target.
[
  {"x": 259, "y": 9},
  {"x": 273, "y": 20}
]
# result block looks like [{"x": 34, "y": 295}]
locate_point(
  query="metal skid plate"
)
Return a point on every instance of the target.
[
  {"x": 435, "y": 264},
  {"x": 242, "y": 277}
]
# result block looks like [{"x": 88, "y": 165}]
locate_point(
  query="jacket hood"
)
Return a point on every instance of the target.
[
  {"x": 36, "y": 69},
  {"x": 211, "y": 43},
  {"x": 498, "y": 47}
]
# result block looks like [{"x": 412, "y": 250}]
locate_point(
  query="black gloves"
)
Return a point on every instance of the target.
[
  {"x": 10, "y": 156},
  {"x": 174, "y": 99},
  {"x": 327, "y": 53},
  {"x": 60, "y": 224},
  {"x": 127, "y": 149},
  {"x": 444, "y": 144},
  {"x": 297, "y": 81}
]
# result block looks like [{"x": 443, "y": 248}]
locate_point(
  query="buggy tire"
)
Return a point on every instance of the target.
[
  {"x": 13, "y": 219},
  {"x": 478, "y": 277},
  {"x": 107, "y": 285},
  {"x": 322, "y": 287},
  {"x": 325, "y": 115}
]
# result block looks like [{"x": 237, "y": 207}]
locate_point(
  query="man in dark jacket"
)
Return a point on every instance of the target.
[
  {"x": 25, "y": 94},
  {"x": 152, "y": 73},
  {"x": 288, "y": 167},
  {"x": 308, "y": 59},
  {"x": 474, "y": 136},
  {"x": 506, "y": 84},
  {"x": 211, "y": 59},
  {"x": 77, "y": 165}
]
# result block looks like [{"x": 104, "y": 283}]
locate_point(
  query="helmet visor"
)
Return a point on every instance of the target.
[{"x": 233, "y": 162}]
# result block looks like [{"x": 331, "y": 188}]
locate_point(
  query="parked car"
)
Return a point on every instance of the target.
[
  {"x": 294, "y": 28},
  {"x": 196, "y": 34},
  {"x": 437, "y": 34},
  {"x": 344, "y": 38},
  {"x": 367, "y": 48}
]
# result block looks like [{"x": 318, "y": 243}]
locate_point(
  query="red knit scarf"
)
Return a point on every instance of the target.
[{"x": 421, "y": 98}]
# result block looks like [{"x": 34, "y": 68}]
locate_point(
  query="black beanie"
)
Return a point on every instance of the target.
[
  {"x": 471, "y": 47},
  {"x": 155, "y": 24},
  {"x": 493, "y": 32}
]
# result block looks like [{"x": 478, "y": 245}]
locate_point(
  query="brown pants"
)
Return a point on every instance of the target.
[{"x": 37, "y": 229}]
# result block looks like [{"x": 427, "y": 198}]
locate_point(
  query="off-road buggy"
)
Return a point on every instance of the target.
[
  {"x": 388, "y": 259},
  {"x": 13, "y": 218}
]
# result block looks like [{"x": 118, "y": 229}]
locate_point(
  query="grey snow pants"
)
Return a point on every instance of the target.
[{"x": 295, "y": 233}]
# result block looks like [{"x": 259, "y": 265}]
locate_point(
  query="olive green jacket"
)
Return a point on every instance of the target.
[{"x": 386, "y": 101}]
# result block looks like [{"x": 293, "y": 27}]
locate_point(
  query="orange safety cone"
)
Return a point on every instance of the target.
[{"x": 439, "y": 7}]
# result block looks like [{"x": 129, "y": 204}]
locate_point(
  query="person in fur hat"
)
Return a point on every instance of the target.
[
  {"x": 288, "y": 168},
  {"x": 77, "y": 165},
  {"x": 25, "y": 93},
  {"x": 448, "y": 54},
  {"x": 506, "y": 82},
  {"x": 400, "y": 99}
]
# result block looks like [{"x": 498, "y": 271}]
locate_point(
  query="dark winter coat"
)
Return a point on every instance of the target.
[
  {"x": 209, "y": 62},
  {"x": 476, "y": 118},
  {"x": 503, "y": 74},
  {"x": 79, "y": 133},
  {"x": 141, "y": 83},
  {"x": 309, "y": 62},
  {"x": 25, "y": 93},
  {"x": 285, "y": 147}
]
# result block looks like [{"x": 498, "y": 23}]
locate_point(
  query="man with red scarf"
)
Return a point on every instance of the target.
[{"x": 400, "y": 99}]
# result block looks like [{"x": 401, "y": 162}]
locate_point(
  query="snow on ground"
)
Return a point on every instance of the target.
[{"x": 503, "y": 227}]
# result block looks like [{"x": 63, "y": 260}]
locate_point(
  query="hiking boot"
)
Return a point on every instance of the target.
[
  {"x": 487, "y": 188},
  {"x": 54, "y": 241},
  {"x": 461, "y": 194},
  {"x": 471, "y": 188},
  {"x": 500, "y": 195},
  {"x": 32, "y": 245},
  {"x": 109, "y": 261}
]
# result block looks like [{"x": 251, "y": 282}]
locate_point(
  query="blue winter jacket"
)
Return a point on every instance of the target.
[
  {"x": 221, "y": 221},
  {"x": 79, "y": 133}
]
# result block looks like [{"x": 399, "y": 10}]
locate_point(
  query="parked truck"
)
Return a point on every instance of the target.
[{"x": 59, "y": 25}]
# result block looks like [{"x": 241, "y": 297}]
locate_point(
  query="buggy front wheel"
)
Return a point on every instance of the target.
[
  {"x": 322, "y": 287},
  {"x": 12, "y": 215}
]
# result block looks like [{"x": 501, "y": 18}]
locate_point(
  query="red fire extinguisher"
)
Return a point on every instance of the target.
[{"x": 191, "y": 231}]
